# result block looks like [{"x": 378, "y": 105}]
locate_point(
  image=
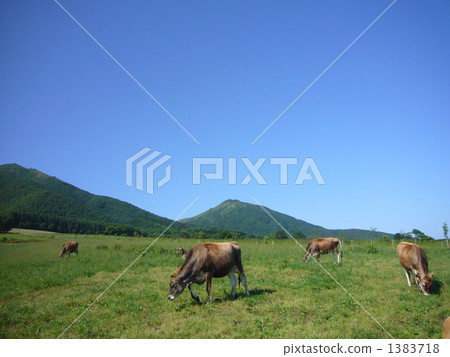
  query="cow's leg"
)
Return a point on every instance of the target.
[
  {"x": 407, "y": 277},
  {"x": 208, "y": 286},
  {"x": 317, "y": 256},
  {"x": 195, "y": 297},
  {"x": 233, "y": 284}
]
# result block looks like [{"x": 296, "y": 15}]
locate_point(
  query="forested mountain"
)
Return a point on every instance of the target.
[
  {"x": 32, "y": 199},
  {"x": 251, "y": 219}
]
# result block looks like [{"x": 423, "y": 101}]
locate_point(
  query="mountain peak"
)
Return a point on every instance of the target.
[{"x": 250, "y": 218}]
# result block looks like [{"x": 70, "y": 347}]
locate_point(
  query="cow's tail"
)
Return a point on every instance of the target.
[{"x": 239, "y": 266}]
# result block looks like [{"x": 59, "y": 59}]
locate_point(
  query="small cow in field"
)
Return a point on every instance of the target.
[
  {"x": 414, "y": 259},
  {"x": 182, "y": 252},
  {"x": 205, "y": 262},
  {"x": 446, "y": 328},
  {"x": 323, "y": 246},
  {"x": 69, "y": 247}
]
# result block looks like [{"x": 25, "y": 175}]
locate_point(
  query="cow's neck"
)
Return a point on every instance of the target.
[
  {"x": 422, "y": 269},
  {"x": 186, "y": 274}
]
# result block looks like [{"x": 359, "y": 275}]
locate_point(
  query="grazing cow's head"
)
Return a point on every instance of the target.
[
  {"x": 425, "y": 283},
  {"x": 306, "y": 257},
  {"x": 63, "y": 251},
  {"x": 175, "y": 288}
]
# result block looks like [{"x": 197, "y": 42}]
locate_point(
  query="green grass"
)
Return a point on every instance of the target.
[{"x": 41, "y": 294}]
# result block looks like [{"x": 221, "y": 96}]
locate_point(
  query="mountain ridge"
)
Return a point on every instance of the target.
[
  {"x": 35, "y": 200},
  {"x": 29, "y": 194},
  {"x": 251, "y": 219}
]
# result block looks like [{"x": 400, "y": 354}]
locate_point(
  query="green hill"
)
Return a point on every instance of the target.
[
  {"x": 32, "y": 199},
  {"x": 251, "y": 219}
]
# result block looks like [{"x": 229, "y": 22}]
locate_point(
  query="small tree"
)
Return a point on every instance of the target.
[
  {"x": 418, "y": 235},
  {"x": 398, "y": 236},
  {"x": 184, "y": 234},
  {"x": 281, "y": 234},
  {"x": 374, "y": 233},
  {"x": 225, "y": 235},
  {"x": 445, "y": 228},
  {"x": 299, "y": 235}
]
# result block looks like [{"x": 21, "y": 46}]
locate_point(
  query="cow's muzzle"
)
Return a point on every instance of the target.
[{"x": 171, "y": 297}]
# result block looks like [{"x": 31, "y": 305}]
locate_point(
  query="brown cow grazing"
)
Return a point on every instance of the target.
[
  {"x": 182, "y": 252},
  {"x": 446, "y": 328},
  {"x": 204, "y": 262},
  {"x": 69, "y": 247},
  {"x": 323, "y": 246},
  {"x": 414, "y": 259}
]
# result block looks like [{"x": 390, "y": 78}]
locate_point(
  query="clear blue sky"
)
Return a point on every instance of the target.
[{"x": 376, "y": 124}]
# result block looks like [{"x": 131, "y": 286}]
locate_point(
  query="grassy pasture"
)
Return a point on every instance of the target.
[{"x": 41, "y": 295}]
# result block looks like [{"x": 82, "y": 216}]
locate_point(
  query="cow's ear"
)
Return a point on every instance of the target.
[
  {"x": 172, "y": 277},
  {"x": 431, "y": 275},
  {"x": 417, "y": 276}
]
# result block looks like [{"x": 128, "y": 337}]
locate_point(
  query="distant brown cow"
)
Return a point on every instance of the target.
[
  {"x": 69, "y": 247},
  {"x": 182, "y": 252},
  {"x": 204, "y": 262},
  {"x": 323, "y": 246},
  {"x": 446, "y": 328},
  {"x": 414, "y": 259}
]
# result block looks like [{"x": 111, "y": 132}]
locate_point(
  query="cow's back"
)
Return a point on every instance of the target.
[
  {"x": 72, "y": 246},
  {"x": 412, "y": 256},
  {"x": 323, "y": 244},
  {"x": 216, "y": 258}
]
